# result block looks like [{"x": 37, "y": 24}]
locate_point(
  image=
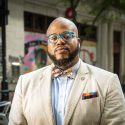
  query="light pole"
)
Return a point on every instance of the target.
[{"x": 3, "y": 18}]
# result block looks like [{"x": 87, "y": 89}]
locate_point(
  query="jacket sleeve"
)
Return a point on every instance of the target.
[
  {"x": 16, "y": 116},
  {"x": 114, "y": 108}
]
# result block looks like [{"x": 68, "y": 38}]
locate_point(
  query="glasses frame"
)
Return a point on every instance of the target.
[{"x": 72, "y": 34}]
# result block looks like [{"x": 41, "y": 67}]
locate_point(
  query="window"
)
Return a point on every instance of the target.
[
  {"x": 39, "y": 23},
  {"x": 87, "y": 32},
  {"x": 117, "y": 40},
  {"x": 28, "y": 20},
  {"x": 36, "y": 22}
]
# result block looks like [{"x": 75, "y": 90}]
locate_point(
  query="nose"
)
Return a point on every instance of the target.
[{"x": 60, "y": 41}]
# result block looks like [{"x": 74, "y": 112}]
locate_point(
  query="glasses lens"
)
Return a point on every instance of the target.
[
  {"x": 67, "y": 36},
  {"x": 53, "y": 38}
]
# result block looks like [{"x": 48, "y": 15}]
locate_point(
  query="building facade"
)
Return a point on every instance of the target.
[{"x": 26, "y": 40}]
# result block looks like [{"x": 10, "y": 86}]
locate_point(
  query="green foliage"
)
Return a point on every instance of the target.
[
  {"x": 102, "y": 9},
  {"x": 119, "y": 4}
]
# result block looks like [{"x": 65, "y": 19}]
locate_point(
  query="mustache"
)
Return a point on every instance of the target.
[
  {"x": 64, "y": 61},
  {"x": 61, "y": 47}
]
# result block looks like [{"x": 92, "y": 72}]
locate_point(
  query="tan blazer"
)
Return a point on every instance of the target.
[{"x": 32, "y": 100}]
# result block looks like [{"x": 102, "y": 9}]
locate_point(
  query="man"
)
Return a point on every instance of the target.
[{"x": 68, "y": 92}]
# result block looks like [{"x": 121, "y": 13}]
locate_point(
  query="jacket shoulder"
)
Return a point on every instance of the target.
[
  {"x": 96, "y": 71},
  {"x": 103, "y": 78},
  {"x": 36, "y": 73},
  {"x": 30, "y": 81}
]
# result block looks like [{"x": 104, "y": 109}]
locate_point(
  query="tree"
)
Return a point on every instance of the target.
[
  {"x": 73, "y": 4},
  {"x": 101, "y": 9}
]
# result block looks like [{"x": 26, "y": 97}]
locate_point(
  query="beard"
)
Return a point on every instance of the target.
[{"x": 65, "y": 61}]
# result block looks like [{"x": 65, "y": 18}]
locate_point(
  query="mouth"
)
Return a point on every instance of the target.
[{"x": 61, "y": 49}]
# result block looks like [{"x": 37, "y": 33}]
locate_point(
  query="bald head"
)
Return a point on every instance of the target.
[{"x": 61, "y": 23}]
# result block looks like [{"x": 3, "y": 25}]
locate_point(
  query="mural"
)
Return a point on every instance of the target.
[
  {"x": 35, "y": 51},
  {"x": 88, "y": 52}
]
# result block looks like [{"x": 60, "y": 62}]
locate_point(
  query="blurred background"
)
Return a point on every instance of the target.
[{"x": 23, "y": 43}]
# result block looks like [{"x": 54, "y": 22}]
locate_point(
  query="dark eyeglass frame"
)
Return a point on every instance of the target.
[{"x": 71, "y": 34}]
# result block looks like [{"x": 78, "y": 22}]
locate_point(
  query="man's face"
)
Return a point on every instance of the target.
[{"x": 62, "y": 51}]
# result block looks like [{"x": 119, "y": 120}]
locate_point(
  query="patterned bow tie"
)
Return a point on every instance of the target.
[{"x": 58, "y": 72}]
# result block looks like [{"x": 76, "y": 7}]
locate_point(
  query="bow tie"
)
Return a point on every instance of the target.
[{"x": 58, "y": 72}]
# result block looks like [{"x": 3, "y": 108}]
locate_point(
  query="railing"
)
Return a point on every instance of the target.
[
  {"x": 4, "y": 111},
  {"x": 5, "y": 106}
]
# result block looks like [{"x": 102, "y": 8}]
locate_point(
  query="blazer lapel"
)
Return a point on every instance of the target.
[
  {"x": 47, "y": 106},
  {"x": 77, "y": 89}
]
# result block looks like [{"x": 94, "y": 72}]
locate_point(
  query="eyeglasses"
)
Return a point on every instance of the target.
[{"x": 66, "y": 36}]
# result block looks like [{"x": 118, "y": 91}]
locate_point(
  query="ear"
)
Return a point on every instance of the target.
[
  {"x": 78, "y": 43},
  {"x": 79, "y": 40}
]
